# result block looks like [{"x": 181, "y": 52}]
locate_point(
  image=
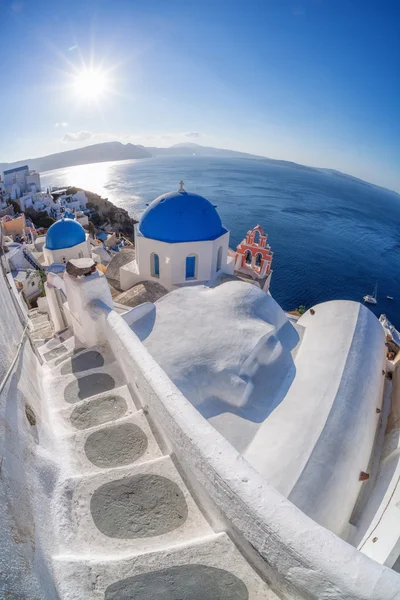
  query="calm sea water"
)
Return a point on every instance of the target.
[{"x": 332, "y": 237}]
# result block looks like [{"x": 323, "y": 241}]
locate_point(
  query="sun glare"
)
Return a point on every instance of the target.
[{"x": 90, "y": 84}]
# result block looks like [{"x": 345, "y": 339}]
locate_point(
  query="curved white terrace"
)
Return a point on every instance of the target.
[{"x": 299, "y": 403}]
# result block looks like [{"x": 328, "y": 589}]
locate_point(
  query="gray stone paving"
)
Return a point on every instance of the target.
[
  {"x": 55, "y": 353},
  {"x": 83, "y": 362},
  {"x": 116, "y": 446},
  {"x": 87, "y": 386},
  {"x": 139, "y": 506},
  {"x": 187, "y": 582},
  {"x": 98, "y": 411}
]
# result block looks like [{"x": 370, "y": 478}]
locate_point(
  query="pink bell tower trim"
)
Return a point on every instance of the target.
[{"x": 254, "y": 256}]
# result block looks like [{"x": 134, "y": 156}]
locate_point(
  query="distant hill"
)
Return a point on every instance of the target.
[
  {"x": 190, "y": 149},
  {"x": 113, "y": 151},
  {"x": 107, "y": 151}
]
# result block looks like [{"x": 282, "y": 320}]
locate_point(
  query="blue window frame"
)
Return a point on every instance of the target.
[
  {"x": 155, "y": 265},
  {"x": 219, "y": 258},
  {"x": 191, "y": 267}
]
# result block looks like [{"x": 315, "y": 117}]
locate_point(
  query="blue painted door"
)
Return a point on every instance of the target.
[{"x": 190, "y": 267}]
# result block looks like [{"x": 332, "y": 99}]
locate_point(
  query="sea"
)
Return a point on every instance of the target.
[{"x": 333, "y": 236}]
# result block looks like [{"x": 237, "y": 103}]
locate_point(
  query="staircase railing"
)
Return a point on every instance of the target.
[{"x": 32, "y": 261}]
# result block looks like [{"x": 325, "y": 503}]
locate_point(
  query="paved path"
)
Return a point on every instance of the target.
[{"x": 126, "y": 525}]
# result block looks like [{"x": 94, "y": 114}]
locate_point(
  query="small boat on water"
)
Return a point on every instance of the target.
[
  {"x": 372, "y": 299},
  {"x": 389, "y": 297}
]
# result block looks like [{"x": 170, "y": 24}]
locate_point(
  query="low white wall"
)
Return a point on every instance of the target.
[
  {"x": 27, "y": 470},
  {"x": 304, "y": 560},
  {"x": 137, "y": 312}
]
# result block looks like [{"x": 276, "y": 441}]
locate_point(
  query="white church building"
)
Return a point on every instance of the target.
[
  {"x": 65, "y": 239},
  {"x": 179, "y": 240}
]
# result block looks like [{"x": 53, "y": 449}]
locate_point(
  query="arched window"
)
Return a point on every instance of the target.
[
  {"x": 248, "y": 257},
  {"x": 155, "y": 265},
  {"x": 219, "y": 258},
  {"x": 257, "y": 236},
  {"x": 80, "y": 255},
  {"x": 258, "y": 259},
  {"x": 191, "y": 266}
]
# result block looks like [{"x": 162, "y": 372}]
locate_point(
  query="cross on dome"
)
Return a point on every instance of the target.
[{"x": 181, "y": 186}]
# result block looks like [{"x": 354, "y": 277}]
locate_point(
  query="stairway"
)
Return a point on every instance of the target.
[
  {"x": 32, "y": 261},
  {"x": 126, "y": 525}
]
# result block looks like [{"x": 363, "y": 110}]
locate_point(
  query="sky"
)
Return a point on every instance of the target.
[{"x": 312, "y": 81}]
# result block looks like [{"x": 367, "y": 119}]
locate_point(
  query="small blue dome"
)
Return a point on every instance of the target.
[
  {"x": 181, "y": 217},
  {"x": 64, "y": 234}
]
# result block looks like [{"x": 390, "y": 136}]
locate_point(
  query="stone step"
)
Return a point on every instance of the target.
[
  {"x": 106, "y": 407},
  {"x": 74, "y": 387},
  {"x": 138, "y": 509},
  {"x": 83, "y": 359},
  {"x": 210, "y": 568},
  {"x": 129, "y": 440}
]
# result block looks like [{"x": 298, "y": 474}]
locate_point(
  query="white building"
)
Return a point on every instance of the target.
[
  {"x": 33, "y": 181},
  {"x": 65, "y": 239},
  {"x": 21, "y": 180},
  {"x": 30, "y": 281},
  {"x": 76, "y": 201},
  {"x": 180, "y": 240},
  {"x": 39, "y": 201}
]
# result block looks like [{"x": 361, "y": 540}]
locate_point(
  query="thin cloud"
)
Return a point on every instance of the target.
[
  {"x": 193, "y": 134},
  {"x": 61, "y": 124},
  {"x": 79, "y": 136}
]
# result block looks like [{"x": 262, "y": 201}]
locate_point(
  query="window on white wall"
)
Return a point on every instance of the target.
[
  {"x": 155, "y": 264},
  {"x": 219, "y": 258},
  {"x": 191, "y": 266}
]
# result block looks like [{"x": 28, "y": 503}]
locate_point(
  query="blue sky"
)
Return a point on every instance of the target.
[{"x": 313, "y": 81}]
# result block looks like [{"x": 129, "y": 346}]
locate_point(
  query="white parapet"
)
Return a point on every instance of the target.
[{"x": 81, "y": 292}]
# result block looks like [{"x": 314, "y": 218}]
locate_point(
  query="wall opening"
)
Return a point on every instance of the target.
[
  {"x": 219, "y": 258},
  {"x": 155, "y": 264},
  {"x": 191, "y": 265},
  {"x": 258, "y": 259},
  {"x": 248, "y": 257},
  {"x": 257, "y": 236}
]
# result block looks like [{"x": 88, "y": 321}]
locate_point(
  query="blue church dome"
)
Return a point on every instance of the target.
[
  {"x": 64, "y": 234},
  {"x": 181, "y": 217}
]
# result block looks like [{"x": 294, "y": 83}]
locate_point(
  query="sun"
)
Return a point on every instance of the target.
[{"x": 90, "y": 83}]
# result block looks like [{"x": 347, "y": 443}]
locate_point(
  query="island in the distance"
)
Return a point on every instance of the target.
[{"x": 116, "y": 151}]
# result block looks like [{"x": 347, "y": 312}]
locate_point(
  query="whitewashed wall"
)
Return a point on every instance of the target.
[
  {"x": 65, "y": 254},
  {"x": 172, "y": 260},
  {"x": 26, "y": 481}
]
